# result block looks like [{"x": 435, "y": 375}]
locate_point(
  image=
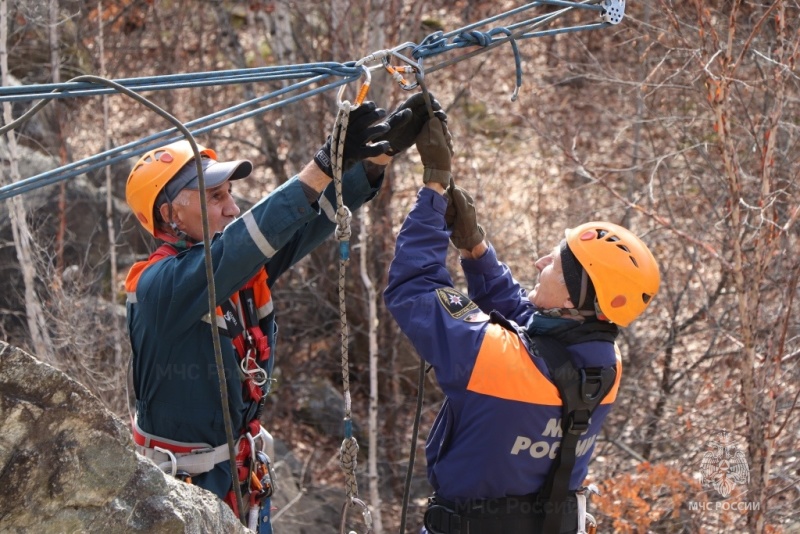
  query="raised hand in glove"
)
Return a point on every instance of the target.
[
  {"x": 361, "y": 132},
  {"x": 403, "y": 135},
  {"x": 435, "y": 149},
  {"x": 462, "y": 219}
]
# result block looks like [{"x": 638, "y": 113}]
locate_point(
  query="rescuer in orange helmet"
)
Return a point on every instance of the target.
[{"x": 529, "y": 376}]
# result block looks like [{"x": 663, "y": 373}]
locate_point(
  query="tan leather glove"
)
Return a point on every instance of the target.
[
  {"x": 435, "y": 152},
  {"x": 462, "y": 218}
]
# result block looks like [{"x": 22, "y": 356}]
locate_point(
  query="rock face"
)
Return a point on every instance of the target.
[{"x": 67, "y": 464}]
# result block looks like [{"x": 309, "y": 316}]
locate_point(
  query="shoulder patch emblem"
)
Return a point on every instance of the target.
[{"x": 457, "y": 304}]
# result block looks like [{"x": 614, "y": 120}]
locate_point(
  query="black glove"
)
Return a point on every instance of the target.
[
  {"x": 361, "y": 130},
  {"x": 462, "y": 218},
  {"x": 435, "y": 149},
  {"x": 402, "y": 136}
]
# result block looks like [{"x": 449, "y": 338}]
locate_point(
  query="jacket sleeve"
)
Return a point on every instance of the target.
[
  {"x": 278, "y": 231},
  {"x": 356, "y": 191},
  {"x": 492, "y": 287},
  {"x": 444, "y": 326}
]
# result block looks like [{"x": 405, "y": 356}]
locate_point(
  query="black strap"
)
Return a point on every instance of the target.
[
  {"x": 507, "y": 515},
  {"x": 582, "y": 390}
]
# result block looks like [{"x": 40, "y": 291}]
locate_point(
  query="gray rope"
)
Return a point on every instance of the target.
[
  {"x": 349, "y": 450},
  {"x": 212, "y": 297}
]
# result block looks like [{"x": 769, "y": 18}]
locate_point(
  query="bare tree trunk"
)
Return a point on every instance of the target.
[
  {"x": 55, "y": 70},
  {"x": 372, "y": 330},
  {"x": 236, "y": 55},
  {"x": 278, "y": 25},
  {"x": 112, "y": 236},
  {"x": 23, "y": 240}
]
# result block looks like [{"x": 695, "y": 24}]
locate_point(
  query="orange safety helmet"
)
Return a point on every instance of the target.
[
  {"x": 151, "y": 174},
  {"x": 622, "y": 269}
]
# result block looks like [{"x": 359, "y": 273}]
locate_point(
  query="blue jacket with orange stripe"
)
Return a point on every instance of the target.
[
  {"x": 174, "y": 371},
  {"x": 498, "y": 430}
]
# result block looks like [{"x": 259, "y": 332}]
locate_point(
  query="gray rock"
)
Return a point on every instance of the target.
[{"x": 67, "y": 464}]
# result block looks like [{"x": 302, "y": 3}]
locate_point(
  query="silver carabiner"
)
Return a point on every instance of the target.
[
  {"x": 172, "y": 460},
  {"x": 353, "y": 501}
]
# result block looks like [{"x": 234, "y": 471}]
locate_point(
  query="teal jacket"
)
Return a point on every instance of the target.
[{"x": 174, "y": 372}]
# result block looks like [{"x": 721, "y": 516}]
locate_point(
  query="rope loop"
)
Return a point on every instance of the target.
[{"x": 436, "y": 43}]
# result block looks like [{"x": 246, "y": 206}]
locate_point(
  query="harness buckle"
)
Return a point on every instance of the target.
[
  {"x": 440, "y": 519},
  {"x": 591, "y": 377},
  {"x": 578, "y": 422},
  {"x": 173, "y": 462}
]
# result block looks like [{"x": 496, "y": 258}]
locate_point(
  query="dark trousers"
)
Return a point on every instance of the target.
[{"x": 508, "y": 515}]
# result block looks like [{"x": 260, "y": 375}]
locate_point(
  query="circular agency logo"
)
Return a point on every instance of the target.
[{"x": 724, "y": 466}]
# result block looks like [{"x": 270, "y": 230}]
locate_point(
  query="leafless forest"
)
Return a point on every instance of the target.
[{"x": 682, "y": 123}]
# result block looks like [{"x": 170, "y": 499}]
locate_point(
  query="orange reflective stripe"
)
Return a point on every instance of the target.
[
  {"x": 133, "y": 275},
  {"x": 138, "y": 268},
  {"x": 260, "y": 288},
  {"x": 504, "y": 369}
]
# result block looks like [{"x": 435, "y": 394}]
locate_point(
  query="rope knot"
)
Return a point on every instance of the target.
[
  {"x": 475, "y": 37},
  {"x": 348, "y": 458},
  {"x": 343, "y": 220}
]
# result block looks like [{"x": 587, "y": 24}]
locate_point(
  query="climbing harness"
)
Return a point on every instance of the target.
[
  {"x": 582, "y": 389},
  {"x": 239, "y": 318},
  {"x": 554, "y": 507}
]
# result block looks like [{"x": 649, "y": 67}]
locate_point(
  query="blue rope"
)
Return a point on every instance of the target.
[
  {"x": 139, "y": 147},
  {"x": 179, "y": 81},
  {"x": 434, "y": 44}
]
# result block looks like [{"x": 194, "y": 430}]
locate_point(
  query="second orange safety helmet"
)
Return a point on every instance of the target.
[
  {"x": 622, "y": 269},
  {"x": 152, "y": 173}
]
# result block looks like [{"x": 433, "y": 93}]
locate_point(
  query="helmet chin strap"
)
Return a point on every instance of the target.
[
  {"x": 180, "y": 234},
  {"x": 571, "y": 313},
  {"x": 177, "y": 235}
]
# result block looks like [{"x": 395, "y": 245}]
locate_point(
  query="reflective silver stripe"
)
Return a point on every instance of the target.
[
  {"x": 132, "y": 297},
  {"x": 265, "y": 310},
  {"x": 256, "y": 235},
  {"x": 261, "y": 312},
  {"x": 326, "y": 206},
  {"x": 220, "y": 321}
]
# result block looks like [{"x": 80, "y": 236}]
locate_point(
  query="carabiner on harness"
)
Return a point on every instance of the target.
[
  {"x": 262, "y": 455},
  {"x": 583, "y": 516},
  {"x": 251, "y": 370}
]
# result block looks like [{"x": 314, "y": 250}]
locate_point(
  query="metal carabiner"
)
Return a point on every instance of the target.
[
  {"x": 584, "y": 517},
  {"x": 172, "y": 460},
  {"x": 255, "y": 373},
  {"x": 352, "y": 501},
  {"x": 362, "y": 92},
  {"x": 397, "y": 74}
]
